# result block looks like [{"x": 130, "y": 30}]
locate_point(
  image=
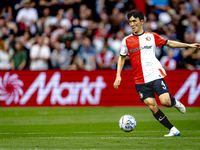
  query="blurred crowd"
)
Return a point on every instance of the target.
[{"x": 84, "y": 34}]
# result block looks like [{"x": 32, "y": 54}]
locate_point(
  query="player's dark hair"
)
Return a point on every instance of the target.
[{"x": 136, "y": 14}]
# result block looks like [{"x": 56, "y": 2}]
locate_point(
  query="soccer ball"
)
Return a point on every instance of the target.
[{"x": 127, "y": 123}]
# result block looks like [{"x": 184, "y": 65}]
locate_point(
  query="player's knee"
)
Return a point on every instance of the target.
[
  {"x": 153, "y": 108},
  {"x": 166, "y": 102}
]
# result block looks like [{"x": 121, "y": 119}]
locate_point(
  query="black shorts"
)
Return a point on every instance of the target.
[{"x": 149, "y": 89}]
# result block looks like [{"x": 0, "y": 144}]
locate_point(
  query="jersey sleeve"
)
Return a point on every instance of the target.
[
  {"x": 123, "y": 49},
  {"x": 159, "y": 41}
]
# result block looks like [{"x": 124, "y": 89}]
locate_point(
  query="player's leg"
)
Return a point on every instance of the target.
[
  {"x": 151, "y": 103},
  {"x": 157, "y": 113},
  {"x": 160, "y": 116},
  {"x": 168, "y": 101},
  {"x": 146, "y": 94},
  {"x": 162, "y": 90}
]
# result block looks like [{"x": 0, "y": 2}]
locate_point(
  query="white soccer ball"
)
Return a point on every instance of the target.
[{"x": 127, "y": 123}]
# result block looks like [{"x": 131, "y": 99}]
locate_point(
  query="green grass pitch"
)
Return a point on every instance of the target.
[{"x": 95, "y": 128}]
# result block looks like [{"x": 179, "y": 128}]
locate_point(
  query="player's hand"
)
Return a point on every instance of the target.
[
  {"x": 195, "y": 45},
  {"x": 117, "y": 82}
]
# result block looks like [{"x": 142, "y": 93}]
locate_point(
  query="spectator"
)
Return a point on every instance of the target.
[
  {"x": 173, "y": 19},
  {"x": 60, "y": 58},
  {"x": 110, "y": 5},
  {"x": 188, "y": 55},
  {"x": 19, "y": 4},
  {"x": 158, "y": 5},
  {"x": 44, "y": 21},
  {"x": 105, "y": 59},
  {"x": 105, "y": 20},
  {"x": 92, "y": 26},
  {"x": 47, "y": 35},
  {"x": 60, "y": 21},
  {"x": 27, "y": 17},
  {"x": 84, "y": 15},
  {"x": 113, "y": 20},
  {"x": 192, "y": 6},
  {"x": 151, "y": 23},
  {"x": 171, "y": 32},
  {"x": 79, "y": 36},
  {"x": 69, "y": 49},
  {"x": 60, "y": 26},
  {"x": 27, "y": 40},
  {"x": 193, "y": 28},
  {"x": 96, "y": 6},
  {"x": 86, "y": 56},
  {"x": 39, "y": 55},
  {"x": 51, "y": 4},
  {"x": 18, "y": 60},
  {"x": 70, "y": 14},
  {"x": 102, "y": 32},
  {"x": 182, "y": 16},
  {"x": 4, "y": 30},
  {"x": 100, "y": 35},
  {"x": 5, "y": 57},
  {"x": 47, "y": 32},
  {"x": 6, "y": 11},
  {"x": 168, "y": 62},
  {"x": 66, "y": 4},
  {"x": 121, "y": 21},
  {"x": 11, "y": 39},
  {"x": 116, "y": 42}
]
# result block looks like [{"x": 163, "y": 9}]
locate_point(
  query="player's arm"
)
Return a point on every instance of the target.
[
  {"x": 175, "y": 44},
  {"x": 120, "y": 65}
]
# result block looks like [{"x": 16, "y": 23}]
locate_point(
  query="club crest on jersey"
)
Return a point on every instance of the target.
[
  {"x": 148, "y": 38},
  {"x": 130, "y": 42},
  {"x": 140, "y": 95}
]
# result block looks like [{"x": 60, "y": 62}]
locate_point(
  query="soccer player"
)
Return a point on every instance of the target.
[{"x": 147, "y": 70}]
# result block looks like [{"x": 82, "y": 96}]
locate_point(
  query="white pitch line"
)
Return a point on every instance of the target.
[
  {"x": 112, "y": 138},
  {"x": 81, "y": 149},
  {"x": 86, "y": 132},
  {"x": 132, "y": 131}
]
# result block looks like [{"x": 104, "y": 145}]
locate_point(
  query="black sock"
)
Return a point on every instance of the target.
[
  {"x": 160, "y": 116},
  {"x": 173, "y": 102}
]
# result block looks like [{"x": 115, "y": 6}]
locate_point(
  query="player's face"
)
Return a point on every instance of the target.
[{"x": 136, "y": 25}]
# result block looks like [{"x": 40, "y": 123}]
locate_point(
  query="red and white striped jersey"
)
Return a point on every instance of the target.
[{"x": 141, "y": 50}]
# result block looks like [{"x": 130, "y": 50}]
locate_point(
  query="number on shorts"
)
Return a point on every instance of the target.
[{"x": 163, "y": 85}]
